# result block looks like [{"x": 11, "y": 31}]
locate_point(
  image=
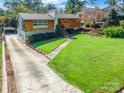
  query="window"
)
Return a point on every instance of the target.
[
  {"x": 77, "y": 21},
  {"x": 35, "y": 24},
  {"x": 40, "y": 24}
]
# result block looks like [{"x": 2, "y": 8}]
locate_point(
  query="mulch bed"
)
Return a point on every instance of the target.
[{"x": 10, "y": 73}]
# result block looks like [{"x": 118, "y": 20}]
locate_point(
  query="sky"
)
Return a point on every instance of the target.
[{"x": 62, "y": 3}]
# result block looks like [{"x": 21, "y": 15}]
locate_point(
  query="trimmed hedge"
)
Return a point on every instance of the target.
[
  {"x": 73, "y": 31},
  {"x": 45, "y": 36},
  {"x": 116, "y": 32},
  {"x": 40, "y": 37}
]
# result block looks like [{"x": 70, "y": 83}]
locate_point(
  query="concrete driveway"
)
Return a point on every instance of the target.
[{"x": 31, "y": 71}]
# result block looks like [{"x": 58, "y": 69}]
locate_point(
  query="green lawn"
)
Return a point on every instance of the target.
[
  {"x": 0, "y": 66},
  {"x": 48, "y": 46},
  {"x": 94, "y": 64}
]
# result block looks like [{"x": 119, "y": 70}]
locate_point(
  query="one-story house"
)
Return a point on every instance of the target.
[{"x": 29, "y": 24}]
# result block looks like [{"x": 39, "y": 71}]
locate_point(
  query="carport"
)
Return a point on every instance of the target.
[{"x": 9, "y": 30}]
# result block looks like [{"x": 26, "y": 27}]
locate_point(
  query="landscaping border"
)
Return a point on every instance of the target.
[
  {"x": 4, "y": 72},
  {"x": 11, "y": 82},
  {"x": 43, "y": 53}
]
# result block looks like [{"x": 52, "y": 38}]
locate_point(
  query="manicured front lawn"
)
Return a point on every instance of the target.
[
  {"x": 48, "y": 46},
  {"x": 0, "y": 66},
  {"x": 94, "y": 64}
]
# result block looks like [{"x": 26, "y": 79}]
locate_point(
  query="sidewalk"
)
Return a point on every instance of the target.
[{"x": 59, "y": 49}]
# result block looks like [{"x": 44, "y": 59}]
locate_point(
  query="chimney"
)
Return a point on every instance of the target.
[
  {"x": 56, "y": 19},
  {"x": 54, "y": 14}
]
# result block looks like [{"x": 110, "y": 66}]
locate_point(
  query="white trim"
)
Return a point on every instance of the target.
[{"x": 40, "y": 24}]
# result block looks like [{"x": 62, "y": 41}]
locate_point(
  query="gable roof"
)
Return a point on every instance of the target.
[
  {"x": 60, "y": 14},
  {"x": 29, "y": 16}
]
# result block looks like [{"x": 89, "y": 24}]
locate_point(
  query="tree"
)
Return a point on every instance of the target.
[
  {"x": 21, "y": 8},
  {"x": 35, "y": 5},
  {"x": 32, "y": 4},
  {"x": 112, "y": 2},
  {"x": 74, "y": 6},
  {"x": 11, "y": 15},
  {"x": 50, "y": 7},
  {"x": 1, "y": 11},
  {"x": 112, "y": 18}
]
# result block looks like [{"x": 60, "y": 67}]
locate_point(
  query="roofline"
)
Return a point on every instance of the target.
[
  {"x": 69, "y": 18},
  {"x": 37, "y": 19},
  {"x": 46, "y": 19},
  {"x": 33, "y": 19}
]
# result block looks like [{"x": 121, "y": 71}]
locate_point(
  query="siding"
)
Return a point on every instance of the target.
[
  {"x": 70, "y": 23},
  {"x": 29, "y": 26}
]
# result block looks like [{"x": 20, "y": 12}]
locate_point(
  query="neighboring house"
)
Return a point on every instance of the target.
[
  {"x": 118, "y": 9},
  {"x": 91, "y": 14},
  {"x": 29, "y": 24}
]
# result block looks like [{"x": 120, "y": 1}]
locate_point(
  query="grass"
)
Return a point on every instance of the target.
[
  {"x": 48, "y": 46},
  {"x": 93, "y": 64},
  {"x": 0, "y": 66}
]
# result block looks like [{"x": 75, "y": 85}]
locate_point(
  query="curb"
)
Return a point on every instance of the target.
[
  {"x": 10, "y": 83},
  {"x": 4, "y": 78},
  {"x": 38, "y": 51}
]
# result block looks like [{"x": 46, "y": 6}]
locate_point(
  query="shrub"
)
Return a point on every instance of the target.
[
  {"x": 122, "y": 23},
  {"x": 45, "y": 36},
  {"x": 70, "y": 30},
  {"x": 82, "y": 24},
  {"x": 88, "y": 24},
  {"x": 51, "y": 35},
  {"x": 57, "y": 29},
  {"x": 97, "y": 25},
  {"x": 30, "y": 39},
  {"x": 39, "y": 37},
  {"x": 100, "y": 32},
  {"x": 114, "y": 32}
]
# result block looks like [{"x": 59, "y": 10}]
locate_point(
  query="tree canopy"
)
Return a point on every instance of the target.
[{"x": 74, "y": 6}]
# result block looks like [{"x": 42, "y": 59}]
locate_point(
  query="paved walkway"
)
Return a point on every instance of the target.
[
  {"x": 31, "y": 71},
  {"x": 59, "y": 49}
]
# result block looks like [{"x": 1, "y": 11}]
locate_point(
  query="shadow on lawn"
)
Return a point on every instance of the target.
[
  {"x": 39, "y": 43},
  {"x": 74, "y": 38}
]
